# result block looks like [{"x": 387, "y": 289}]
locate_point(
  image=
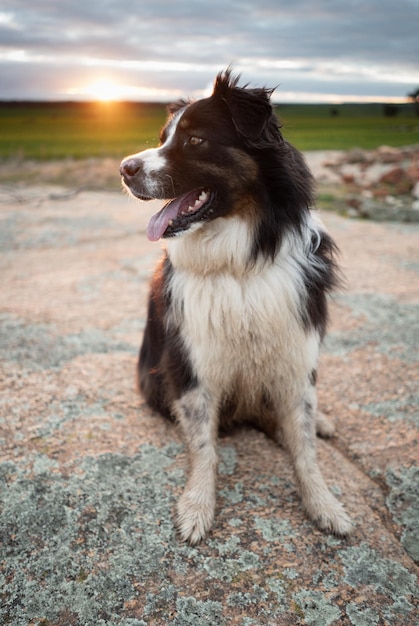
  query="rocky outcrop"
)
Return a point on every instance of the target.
[{"x": 381, "y": 184}]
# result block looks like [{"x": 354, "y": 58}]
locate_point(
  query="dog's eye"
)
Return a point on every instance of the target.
[{"x": 196, "y": 141}]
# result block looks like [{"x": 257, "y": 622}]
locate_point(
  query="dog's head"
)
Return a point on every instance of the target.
[{"x": 207, "y": 163}]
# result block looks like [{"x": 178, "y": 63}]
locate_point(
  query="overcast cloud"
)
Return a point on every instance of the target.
[{"x": 154, "y": 49}]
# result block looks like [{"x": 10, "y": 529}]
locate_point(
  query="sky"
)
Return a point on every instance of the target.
[{"x": 160, "y": 50}]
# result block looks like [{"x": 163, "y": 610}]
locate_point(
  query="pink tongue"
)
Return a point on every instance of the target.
[{"x": 160, "y": 221}]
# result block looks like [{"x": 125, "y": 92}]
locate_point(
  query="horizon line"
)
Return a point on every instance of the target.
[{"x": 352, "y": 100}]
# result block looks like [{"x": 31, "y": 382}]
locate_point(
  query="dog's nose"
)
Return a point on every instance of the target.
[{"x": 130, "y": 168}]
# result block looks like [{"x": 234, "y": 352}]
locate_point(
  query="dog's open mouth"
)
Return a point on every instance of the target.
[{"x": 178, "y": 214}]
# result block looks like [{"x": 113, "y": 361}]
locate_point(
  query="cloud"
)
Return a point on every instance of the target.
[{"x": 335, "y": 47}]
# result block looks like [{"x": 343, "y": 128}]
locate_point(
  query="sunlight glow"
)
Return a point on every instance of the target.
[
  {"x": 107, "y": 91},
  {"x": 104, "y": 91}
]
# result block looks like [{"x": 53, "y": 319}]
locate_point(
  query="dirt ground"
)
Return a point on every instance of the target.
[
  {"x": 99, "y": 174},
  {"x": 90, "y": 476}
]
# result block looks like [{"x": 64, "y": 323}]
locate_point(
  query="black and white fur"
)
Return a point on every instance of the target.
[{"x": 237, "y": 308}]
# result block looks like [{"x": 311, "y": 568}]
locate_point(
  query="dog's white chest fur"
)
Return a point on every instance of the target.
[{"x": 243, "y": 330}]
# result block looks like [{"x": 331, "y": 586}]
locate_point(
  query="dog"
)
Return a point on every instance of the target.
[{"x": 237, "y": 308}]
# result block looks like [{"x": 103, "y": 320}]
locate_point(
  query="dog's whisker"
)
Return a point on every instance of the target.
[{"x": 172, "y": 195}]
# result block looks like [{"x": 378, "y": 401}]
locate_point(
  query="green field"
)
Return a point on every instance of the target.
[
  {"x": 45, "y": 131},
  {"x": 313, "y": 127}
]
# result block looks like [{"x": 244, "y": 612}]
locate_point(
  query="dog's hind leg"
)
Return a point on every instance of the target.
[
  {"x": 299, "y": 436},
  {"x": 324, "y": 427},
  {"x": 197, "y": 413}
]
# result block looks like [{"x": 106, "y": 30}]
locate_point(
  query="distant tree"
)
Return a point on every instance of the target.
[
  {"x": 390, "y": 110},
  {"x": 414, "y": 96}
]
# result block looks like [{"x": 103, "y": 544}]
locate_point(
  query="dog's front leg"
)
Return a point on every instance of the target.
[
  {"x": 299, "y": 427},
  {"x": 197, "y": 413}
]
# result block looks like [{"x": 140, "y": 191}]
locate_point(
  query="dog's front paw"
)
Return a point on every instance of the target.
[
  {"x": 194, "y": 517},
  {"x": 334, "y": 519}
]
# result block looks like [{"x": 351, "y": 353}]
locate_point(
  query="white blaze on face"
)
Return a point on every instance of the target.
[{"x": 153, "y": 160}]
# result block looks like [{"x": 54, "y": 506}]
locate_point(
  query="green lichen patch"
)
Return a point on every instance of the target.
[
  {"x": 389, "y": 579},
  {"x": 274, "y": 529},
  {"x": 362, "y": 616},
  {"x": 315, "y": 608},
  {"x": 78, "y": 542},
  {"x": 227, "y": 569},
  {"x": 393, "y": 327},
  {"x": 193, "y": 612},
  {"x": 403, "y": 503},
  {"x": 399, "y": 409},
  {"x": 41, "y": 346},
  {"x": 27, "y": 231},
  {"x": 227, "y": 460}
]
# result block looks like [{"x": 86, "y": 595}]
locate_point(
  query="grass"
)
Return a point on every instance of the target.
[
  {"x": 78, "y": 130},
  {"x": 311, "y": 127},
  {"x": 46, "y": 131}
]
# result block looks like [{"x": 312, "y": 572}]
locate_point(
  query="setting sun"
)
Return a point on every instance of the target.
[{"x": 105, "y": 91}]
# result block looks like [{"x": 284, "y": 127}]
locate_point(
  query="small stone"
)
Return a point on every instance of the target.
[
  {"x": 353, "y": 200},
  {"x": 387, "y": 154},
  {"x": 357, "y": 156},
  {"x": 394, "y": 177}
]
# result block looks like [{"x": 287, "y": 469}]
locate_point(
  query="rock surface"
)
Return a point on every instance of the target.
[
  {"x": 90, "y": 476},
  {"x": 378, "y": 184}
]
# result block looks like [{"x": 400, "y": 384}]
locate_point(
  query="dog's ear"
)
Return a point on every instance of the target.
[
  {"x": 174, "y": 107},
  {"x": 250, "y": 111}
]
